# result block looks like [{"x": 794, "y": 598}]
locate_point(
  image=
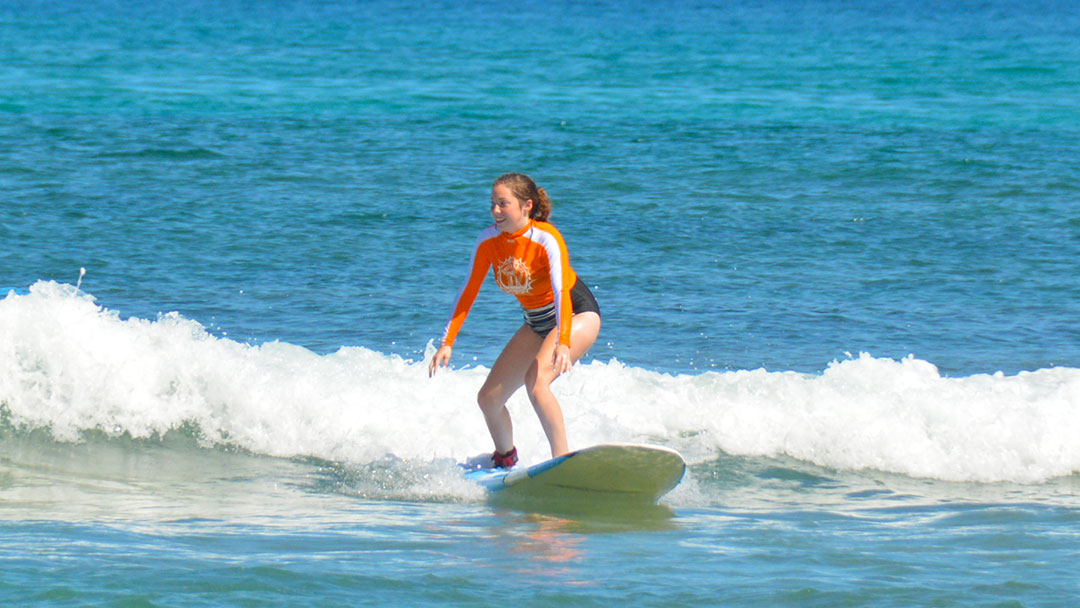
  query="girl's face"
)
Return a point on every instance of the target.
[{"x": 510, "y": 214}]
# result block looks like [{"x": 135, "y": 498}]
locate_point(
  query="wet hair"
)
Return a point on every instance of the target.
[{"x": 525, "y": 189}]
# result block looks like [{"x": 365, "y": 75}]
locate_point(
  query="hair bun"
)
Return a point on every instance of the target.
[{"x": 525, "y": 189}]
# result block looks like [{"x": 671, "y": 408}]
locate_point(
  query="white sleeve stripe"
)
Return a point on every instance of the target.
[{"x": 555, "y": 261}]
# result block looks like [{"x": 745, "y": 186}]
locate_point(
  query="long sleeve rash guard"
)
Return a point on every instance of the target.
[{"x": 531, "y": 265}]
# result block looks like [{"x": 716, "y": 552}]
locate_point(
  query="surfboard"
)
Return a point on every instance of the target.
[{"x": 630, "y": 472}]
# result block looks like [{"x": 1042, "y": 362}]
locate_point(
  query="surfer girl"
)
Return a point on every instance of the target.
[{"x": 562, "y": 318}]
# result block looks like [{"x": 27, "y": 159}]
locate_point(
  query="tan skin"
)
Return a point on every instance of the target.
[{"x": 527, "y": 359}]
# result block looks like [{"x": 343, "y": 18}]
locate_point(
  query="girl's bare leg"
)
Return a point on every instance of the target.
[
  {"x": 527, "y": 360},
  {"x": 506, "y": 376},
  {"x": 540, "y": 374}
]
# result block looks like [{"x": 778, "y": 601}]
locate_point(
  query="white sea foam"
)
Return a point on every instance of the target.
[{"x": 68, "y": 365}]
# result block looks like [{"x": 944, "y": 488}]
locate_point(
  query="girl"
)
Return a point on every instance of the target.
[{"x": 562, "y": 319}]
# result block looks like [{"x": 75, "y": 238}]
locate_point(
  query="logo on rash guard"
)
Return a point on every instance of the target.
[{"x": 513, "y": 276}]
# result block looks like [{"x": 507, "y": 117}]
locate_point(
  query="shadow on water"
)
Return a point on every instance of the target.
[{"x": 585, "y": 512}]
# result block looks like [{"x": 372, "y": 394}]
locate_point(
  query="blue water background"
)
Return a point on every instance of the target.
[
  {"x": 743, "y": 185},
  {"x": 772, "y": 185}
]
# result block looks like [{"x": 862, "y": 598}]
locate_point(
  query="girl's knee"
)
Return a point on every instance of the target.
[
  {"x": 537, "y": 383},
  {"x": 489, "y": 399}
]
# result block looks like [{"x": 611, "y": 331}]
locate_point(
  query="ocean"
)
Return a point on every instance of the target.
[{"x": 834, "y": 243}]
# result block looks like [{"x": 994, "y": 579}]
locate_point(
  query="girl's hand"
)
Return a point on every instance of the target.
[
  {"x": 560, "y": 359},
  {"x": 441, "y": 359}
]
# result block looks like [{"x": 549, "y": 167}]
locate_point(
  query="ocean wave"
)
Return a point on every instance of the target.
[
  {"x": 169, "y": 154},
  {"x": 69, "y": 367}
]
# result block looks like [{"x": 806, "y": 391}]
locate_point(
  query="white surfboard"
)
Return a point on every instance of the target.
[{"x": 611, "y": 471}]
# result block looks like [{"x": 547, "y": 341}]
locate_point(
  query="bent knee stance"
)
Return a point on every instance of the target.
[
  {"x": 489, "y": 399},
  {"x": 537, "y": 383}
]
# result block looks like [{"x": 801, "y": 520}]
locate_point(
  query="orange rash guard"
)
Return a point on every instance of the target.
[{"x": 531, "y": 265}]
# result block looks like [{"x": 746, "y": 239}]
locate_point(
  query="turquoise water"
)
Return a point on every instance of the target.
[{"x": 834, "y": 244}]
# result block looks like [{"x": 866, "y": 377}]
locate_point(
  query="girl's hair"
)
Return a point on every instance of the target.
[{"x": 525, "y": 189}]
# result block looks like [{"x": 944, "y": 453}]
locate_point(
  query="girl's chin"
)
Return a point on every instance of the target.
[{"x": 507, "y": 227}]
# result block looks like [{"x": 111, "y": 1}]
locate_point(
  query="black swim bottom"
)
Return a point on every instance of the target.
[{"x": 542, "y": 320}]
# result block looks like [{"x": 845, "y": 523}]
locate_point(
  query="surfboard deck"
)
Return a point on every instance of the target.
[{"x": 630, "y": 472}]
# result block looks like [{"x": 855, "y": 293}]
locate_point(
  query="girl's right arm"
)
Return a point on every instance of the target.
[{"x": 478, "y": 269}]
